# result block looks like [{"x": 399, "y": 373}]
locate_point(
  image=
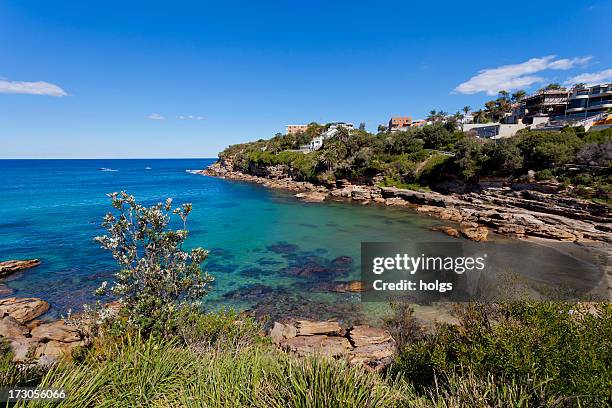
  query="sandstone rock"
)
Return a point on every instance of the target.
[
  {"x": 23, "y": 348},
  {"x": 55, "y": 349},
  {"x": 361, "y": 194},
  {"x": 352, "y": 286},
  {"x": 282, "y": 332},
  {"x": 449, "y": 214},
  {"x": 23, "y": 309},
  {"x": 311, "y": 197},
  {"x": 396, "y": 202},
  {"x": 319, "y": 344},
  {"x": 339, "y": 287},
  {"x": 511, "y": 229},
  {"x": 58, "y": 331},
  {"x": 308, "y": 328},
  {"x": 8, "y": 267},
  {"x": 374, "y": 356},
  {"x": 366, "y": 335},
  {"x": 447, "y": 230},
  {"x": 475, "y": 233},
  {"x": 12, "y": 329}
]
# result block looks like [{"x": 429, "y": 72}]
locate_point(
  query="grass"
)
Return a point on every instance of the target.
[{"x": 516, "y": 355}]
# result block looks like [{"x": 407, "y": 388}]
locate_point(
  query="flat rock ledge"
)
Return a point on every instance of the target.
[
  {"x": 34, "y": 341},
  {"x": 14, "y": 265},
  {"x": 504, "y": 211},
  {"x": 360, "y": 345}
]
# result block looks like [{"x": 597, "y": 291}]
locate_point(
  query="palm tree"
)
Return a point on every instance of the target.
[
  {"x": 466, "y": 109},
  {"x": 433, "y": 115},
  {"x": 504, "y": 94},
  {"x": 480, "y": 116},
  {"x": 518, "y": 95},
  {"x": 442, "y": 115},
  {"x": 343, "y": 134}
]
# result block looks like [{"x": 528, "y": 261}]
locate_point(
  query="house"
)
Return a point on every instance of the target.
[
  {"x": 493, "y": 130},
  {"x": 399, "y": 123},
  {"x": 293, "y": 129},
  {"x": 548, "y": 103},
  {"x": 317, "y": 142},
  {"x": 589, "y": 101}
]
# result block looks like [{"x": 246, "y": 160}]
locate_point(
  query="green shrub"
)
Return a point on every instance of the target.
[
  {"x": 545, "y": 174},
  {"x": 552, "y": 349},
  {"x": 157, "y": 279}
]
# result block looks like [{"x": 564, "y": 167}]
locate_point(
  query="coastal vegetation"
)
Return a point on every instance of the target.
[
  {"x": 435, "y": 155},
  {"x": 179, "y": 353}
]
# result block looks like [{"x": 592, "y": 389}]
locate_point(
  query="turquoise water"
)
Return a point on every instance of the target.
[{"x": 258, "y": 238}]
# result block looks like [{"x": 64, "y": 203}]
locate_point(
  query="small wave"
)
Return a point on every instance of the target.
[
  {"x": 147, "y": 168},
  {"x": 106, "y": 169}
]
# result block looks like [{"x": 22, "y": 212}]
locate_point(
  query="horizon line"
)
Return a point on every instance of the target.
[{"x": 106, "y": 158}]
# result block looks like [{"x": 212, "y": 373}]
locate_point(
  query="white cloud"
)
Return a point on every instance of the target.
[
  {"x": 156, "y": 116},
  {"x": 30, "y": 88},
  {"x": 515, "y": 76},
  {"x": 591, "y": 78},
  {"x": 190, "y": 117}
]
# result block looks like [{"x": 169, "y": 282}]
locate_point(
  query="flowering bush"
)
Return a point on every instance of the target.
[{"x": 157, "y": 279}]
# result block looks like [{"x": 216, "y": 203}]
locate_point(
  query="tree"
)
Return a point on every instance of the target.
[
  {"x": 466, "y": 109},
  {"x": 518, "y": 95},
  {"x": 468, "y": 158},
  {"x": 362, "y": 126},
  {"x": 553, "y": 87},
  {"x": 158, "y": 279},
  {"x": 433, "y": 116},
  {"x": 481, "y": 116},
  {"x": 382, "y": 128},
  {"x": 504, "y": 94}
]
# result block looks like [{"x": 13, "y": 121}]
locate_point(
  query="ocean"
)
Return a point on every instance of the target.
[{"x": 257, "y": 237}]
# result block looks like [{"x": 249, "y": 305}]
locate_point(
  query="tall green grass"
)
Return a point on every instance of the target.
[{"x": 146, "y": 372}]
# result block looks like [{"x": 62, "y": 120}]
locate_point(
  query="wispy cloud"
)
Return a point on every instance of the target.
[
  {"x": 156, "y": 116},
  {"x": 190, "y": 117},
  {"x": 516, "y": 76},
  {"x": 591, "y": 78},
  {"x": 30, "y": 88}
]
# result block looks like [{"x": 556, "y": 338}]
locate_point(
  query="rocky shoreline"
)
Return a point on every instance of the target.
[{"x": 518, "y": 214}]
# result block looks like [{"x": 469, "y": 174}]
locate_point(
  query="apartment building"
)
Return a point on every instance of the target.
[
  {"x": 399, "y": 122},
  {"x": 589, "y": 101},
  {"x": 293, "y": 129},
  {"x": 545, "y": 103}
]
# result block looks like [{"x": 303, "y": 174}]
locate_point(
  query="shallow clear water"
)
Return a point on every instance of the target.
[{"x": 52, "y": 209}]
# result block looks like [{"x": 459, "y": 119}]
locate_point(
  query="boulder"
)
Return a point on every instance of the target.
[
  {"x": 475, "y": 233},
  {"x": 282, "y": 332},
  {"x": 447, "y": 230},
  {"x": 511, "y": 229},
  {"x": 352, "y": 286},
  {"x": 366, "y": 335},
  {"x": 53, "y": 349},
  {"x": 361, "y": 193},
  {"x": 450, "y": 214},
  {"x": 23, "y": 309},
  {"x": 58, "y": 331},
  {"x": 319, "y": 344},
  {"x": 374, "y": 356},
  {"x": 309, "y": 328},
  {"x": 8, "y": 267},
  {"x": 23, "y": 348},
  {"x": 12, "y": 329},
  {"x": 311, "y": 196}
]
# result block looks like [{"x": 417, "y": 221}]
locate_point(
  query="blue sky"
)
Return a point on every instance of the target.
[{"x": 185, "y": 79}]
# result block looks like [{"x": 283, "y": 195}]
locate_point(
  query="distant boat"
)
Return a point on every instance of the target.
[
  {"x": 106, "y": 169},
  {"x": 147, "y": 168}
]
